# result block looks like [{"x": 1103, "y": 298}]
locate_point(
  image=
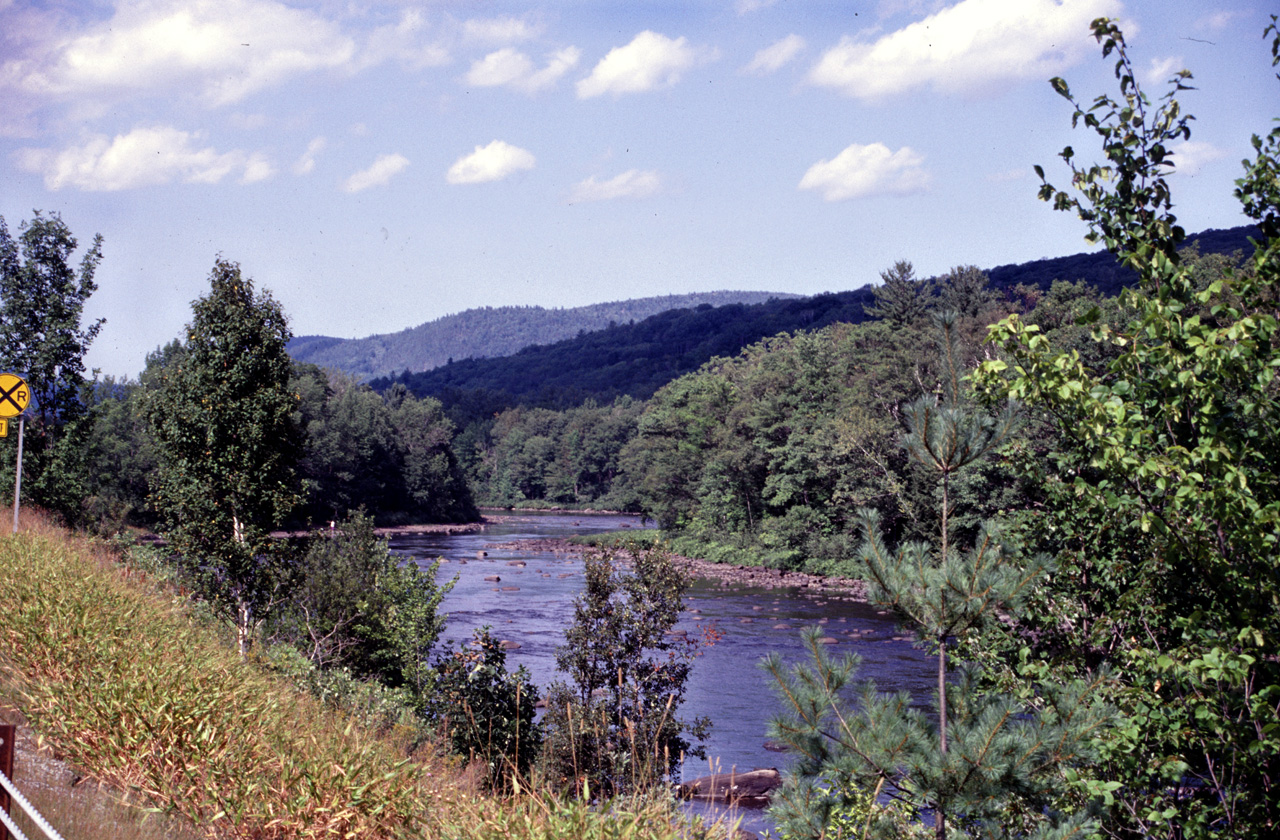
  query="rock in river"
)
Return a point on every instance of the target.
[{"x": 751, "y": 788}]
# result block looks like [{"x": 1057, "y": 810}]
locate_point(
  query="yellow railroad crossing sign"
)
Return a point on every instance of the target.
[{"x": 15, "y": 396}]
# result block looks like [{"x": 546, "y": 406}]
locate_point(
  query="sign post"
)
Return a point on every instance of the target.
[{"x": 15, "y": 396}]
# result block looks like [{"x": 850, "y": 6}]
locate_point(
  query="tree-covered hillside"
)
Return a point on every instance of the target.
[
  {"x": 636, "y": 359},
  {"x": 1103, "y": 271},
  {"x": 489, "y": 332},
  {"x": 632, "y": 359}
]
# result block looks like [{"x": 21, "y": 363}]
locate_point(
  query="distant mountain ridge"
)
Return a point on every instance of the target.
[
  {"x": 490, "y": 332},
  {"x": 638, "y": 358}
]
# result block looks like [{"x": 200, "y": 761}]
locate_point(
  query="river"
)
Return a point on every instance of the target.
[{"x": 532, "y": 603}]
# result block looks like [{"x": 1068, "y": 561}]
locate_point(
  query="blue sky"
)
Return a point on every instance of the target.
[{"x": 381, "y": 164}]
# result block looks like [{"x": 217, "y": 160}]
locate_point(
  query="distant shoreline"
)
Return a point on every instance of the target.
[
  {"x": 514, "y": 511},
  {"x": 725, "y": 573}
]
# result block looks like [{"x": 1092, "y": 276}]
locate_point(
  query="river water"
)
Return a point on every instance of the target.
[{"x": 532, "y": 603}]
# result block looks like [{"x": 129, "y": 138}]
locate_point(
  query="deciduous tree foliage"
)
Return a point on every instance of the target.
[
  {"x": 764, "y": 458},
  {"x": 488, "y": 711},
  {"x": 616, "y": 724},
  {"x": 569, "y": 457},
  {"x": 1162, "y": 497},
  {"x": 985, "y": 763},
  {"x": 121, "y": 458},
  {"x": 358, "y": 606},
  {"x": 42, "y": 339},
  {"x": 221, "y": 411},
  {"x": 390, "y": 454}
]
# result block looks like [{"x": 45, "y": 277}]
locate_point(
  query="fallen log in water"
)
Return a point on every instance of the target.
[{"x": 750, "y": 788}]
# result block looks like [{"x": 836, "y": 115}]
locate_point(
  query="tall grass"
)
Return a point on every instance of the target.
[
  {"x": 123, "y": 680},
  {"x": 87, "y": 811},
  {"x": 128, "y": 687}
]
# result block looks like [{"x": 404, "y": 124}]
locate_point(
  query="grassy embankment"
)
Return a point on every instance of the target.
[{"x": 119, "y": 678}]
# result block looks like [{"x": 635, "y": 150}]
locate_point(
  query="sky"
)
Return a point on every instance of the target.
[{"x": 377, "y": 165}]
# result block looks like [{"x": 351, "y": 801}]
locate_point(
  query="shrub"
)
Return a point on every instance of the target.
[
  {"x": 616, "y": 725},
  {"x": 371, "y": 703},
  {"x": 358, "y": 606},
  {"x": 487, "y": 710}
]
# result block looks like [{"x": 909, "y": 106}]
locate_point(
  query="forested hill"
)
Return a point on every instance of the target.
[
  {"x": 637, "y": 359},
  {"x": 1101, "y": 269},
  {"x": 634, "y": 359},
  {"x": 490, "y": 332}
]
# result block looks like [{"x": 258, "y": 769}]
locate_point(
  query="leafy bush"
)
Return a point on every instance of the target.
[
  {"x": 487, "y": 711},
  {"x": 371, "y": 703},
  {"x": 359, "y": 607},
  {"x": 1160, "y": 495},
  {"x": 802, "y": 810},
  {"x": 615, "y": 726}
]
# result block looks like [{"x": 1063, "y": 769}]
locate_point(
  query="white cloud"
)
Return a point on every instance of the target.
[
  {"x": 257, "y": 168},
  {"x": 142, "y": 158},
  {"x": 513, "y": 68},
  {"x": 405, "y": 42},
  {"x": 650, "y": 61},
  {"x": 772, "y": 58},
  {"x": 1221, "y": 19},
  {"x": 633, "y": 183},
  {"x": 504, "y": 30},
  {"x": 747, "y": 6},
  {"x": 224, "y": 49},
  {"x": 971, "y": 45},
  {"x": 489, "y": 163},
  {"x": 860, "y": 171},
  {"x": 1160, "y": 70},
  {"x": 307, "y": 163},
  {"x": 382, "y": 171},
  {"x": 1190, "y": 156}
]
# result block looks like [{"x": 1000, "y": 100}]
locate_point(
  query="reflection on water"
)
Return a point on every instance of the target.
[{"x": 531, "y": 602}]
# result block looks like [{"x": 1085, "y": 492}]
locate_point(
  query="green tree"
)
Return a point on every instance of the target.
[
  {"x": 120, "y": 455},
  {"x": 900, "y": 298},
  {"x": 1162, "y": 497},
  {"x": 488, "y": 711},
  {"x": 435, "y": 489},
  {"x": 616, "y": 725},
  {"x": 221, "y": 411},
  {"x": 674, "y": 435},
  {"x": 42, "y": 338},
  {"x": 985, "y": 763},
  {"x": 389, "y": 453},
  {"x": 965, "y": 290},
  {"x": 352, "y": 455},
  {"x": 360, "y": 607},
  {"x": 764, "y": 458}
]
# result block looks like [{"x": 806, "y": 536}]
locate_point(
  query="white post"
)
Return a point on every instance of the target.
[{"x": 17, "y": 483}]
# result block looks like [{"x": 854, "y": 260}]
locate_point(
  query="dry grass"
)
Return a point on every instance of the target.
[
  {"x": 122, "y": 681},
  {"x": 81, "y": 809}
]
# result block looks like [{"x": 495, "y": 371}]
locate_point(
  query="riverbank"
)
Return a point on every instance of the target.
[
  {"x": 132, "y": 688},
  {"x": 726, "y": 574},
  {"x": 403, "y": 530},
  {"x": 550, "y": 508}
]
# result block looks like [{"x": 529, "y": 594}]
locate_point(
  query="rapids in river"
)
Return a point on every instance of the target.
[{"x": 532, "y": 604}]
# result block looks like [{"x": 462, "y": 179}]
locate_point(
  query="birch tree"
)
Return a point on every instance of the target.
[{"x": 222, "y": 415}]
